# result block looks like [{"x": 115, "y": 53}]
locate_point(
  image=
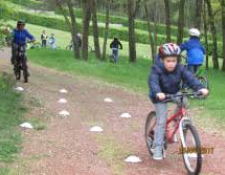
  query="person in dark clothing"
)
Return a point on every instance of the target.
[
  {"x": 165, "y": 78},
  {"x": 78, "y": 41},
  {"x": 44, "y": 38},
  {"x": 115, "y": 46}
]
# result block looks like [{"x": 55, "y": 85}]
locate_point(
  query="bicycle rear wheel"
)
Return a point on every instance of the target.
[
  {"x": 190, "y": 148},
  {"x": 204, "y": 81}
]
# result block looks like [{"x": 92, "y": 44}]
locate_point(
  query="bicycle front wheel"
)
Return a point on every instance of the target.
[
  {"x": 204, "y": 81},
  {"x": 17, "y": 74},
  {"x": 150, "y": 126},
  {"x": 190, "y": 148},
  {"x": 17, "y": 70}
]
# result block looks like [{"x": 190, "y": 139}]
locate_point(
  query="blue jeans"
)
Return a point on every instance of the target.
[
  {"x": 161, "y": 115},
  {"x": 115, "y": 53}
]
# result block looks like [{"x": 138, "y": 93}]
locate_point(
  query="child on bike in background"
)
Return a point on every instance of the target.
[
  {"x": 115, "y": 46},
  {"x": 195, "y": 50},
  {"x": 164, "y": 79}
]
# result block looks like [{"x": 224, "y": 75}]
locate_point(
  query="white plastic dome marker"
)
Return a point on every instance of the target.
[
  {"x": 125, "y": 115},
  {"x": 96, "y": 129},
  {"x": 64, "y": 113},
  {"x": 26, "y": 125},
  {"x": 63, "y": 91},
  {"x": 133, "y": 159},
  {"x": 62, "y": 100},
  {"x": 19, "y": 89},
  {"x": 108, "y": 100}
]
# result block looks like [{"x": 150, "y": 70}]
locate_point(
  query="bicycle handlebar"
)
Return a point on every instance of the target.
[
  {"x": 26, "y": 42},
  {"x": 171, "y": 97},
  {"x": 195, "y": 94}
]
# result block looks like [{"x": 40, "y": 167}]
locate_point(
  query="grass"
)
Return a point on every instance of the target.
[
  {"x": 119, "y": 74},
  {"x": 112, "y": 153},
  {"x": 11, "y": 115},
  {"x": 214, "y": 106}
]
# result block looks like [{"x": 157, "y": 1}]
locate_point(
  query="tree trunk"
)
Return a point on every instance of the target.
[
  {"x": 106, "y": 30},
  {"x": 86, "y": 24},
  {"x": 168, "y": 21},
  {"x": 132, "y": 38},
  {"x": 223, "y": 30},
  {"x": 72, "y": 25},
  {"x": 180, "y": 33},
  {"x": 198, "y": 14},
  {"x": 95, "y": 30},
  {"x": 155, "y": 27},
  {"x": 205, "y": 22},
  {"x": 214, "y": 35},
  {"x": 74, "y": 32},
  {"x": 150, "y": 31}
]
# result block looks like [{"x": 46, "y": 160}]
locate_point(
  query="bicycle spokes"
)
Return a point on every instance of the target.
[
  {"x": 190, "y": 144},
  {"x": 150, "y": 131}
]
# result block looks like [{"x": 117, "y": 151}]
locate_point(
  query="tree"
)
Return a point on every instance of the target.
[
  {"x": 106, "y": 30},
  {"x": 214, "y": 35},
  {"x": 223, "y": 30},
  {"x": 72, "y": 24},
  {"x": 181, "y": 22},
  {"x": 150, "y": 31},
  {"x": 86, "y": 24},
  {"x": 205, "y": 22},
  {"x": 198, "y": 14},
  {"x": 5, "y": 29},
  {"x": 95, "y": 29},
  {"x": 132, "y": 37},
  {"x": 168, "y": 21}
]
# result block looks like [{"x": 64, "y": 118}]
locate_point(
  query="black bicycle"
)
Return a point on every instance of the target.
[
  {"x": 20, "y": 63},
  {"x": 113, "y": 57},
  {"x": 199, "y": 75}
]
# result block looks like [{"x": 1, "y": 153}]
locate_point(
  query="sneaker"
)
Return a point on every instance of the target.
[{"x": 158, "y": 153}]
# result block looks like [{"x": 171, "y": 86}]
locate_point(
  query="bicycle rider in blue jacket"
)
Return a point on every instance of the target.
[
  {"x": 20, "y": 34},
  {"x": 195, "y": 50}
]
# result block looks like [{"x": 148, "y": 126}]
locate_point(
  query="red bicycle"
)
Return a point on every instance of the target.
[{"x": 188, "y": 134}]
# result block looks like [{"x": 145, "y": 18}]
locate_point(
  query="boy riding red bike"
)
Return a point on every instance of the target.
[{"x": 165, "y": 78}]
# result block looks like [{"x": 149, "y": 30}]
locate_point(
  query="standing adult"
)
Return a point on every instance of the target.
[{"x": 44, "y": 38}]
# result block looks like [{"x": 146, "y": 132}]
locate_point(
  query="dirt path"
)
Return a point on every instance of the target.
[{"x": 66, "y": 147}]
